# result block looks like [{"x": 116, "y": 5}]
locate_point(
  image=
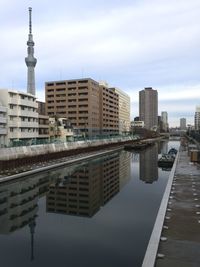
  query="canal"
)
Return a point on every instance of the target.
[{"x": 99, "y": 213}]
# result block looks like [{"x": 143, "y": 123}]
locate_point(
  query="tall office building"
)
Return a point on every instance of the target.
[
  {"x": 148, "y": 107},
  {"x": 197, "y": 119},
  {"x": 30, "y": 59},
  {"x": 164, "y": 119},
  {"x": 183, "y": 124}
]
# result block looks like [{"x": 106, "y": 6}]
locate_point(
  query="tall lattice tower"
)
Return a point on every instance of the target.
[{"x": 30, "y": 59}]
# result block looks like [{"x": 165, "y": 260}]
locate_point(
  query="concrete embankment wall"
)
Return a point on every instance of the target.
[
  {"x": 152, "y": 248},
  {"x": 16, "y": 156}
]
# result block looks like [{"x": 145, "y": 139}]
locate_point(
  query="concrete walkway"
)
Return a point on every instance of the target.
[{"x": 180, "y": 245}]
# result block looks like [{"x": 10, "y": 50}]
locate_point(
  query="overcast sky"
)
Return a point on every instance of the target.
[{"x": 131, "y": 44}]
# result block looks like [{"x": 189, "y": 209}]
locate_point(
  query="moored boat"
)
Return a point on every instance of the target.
[{"x": 166, "y": 160}]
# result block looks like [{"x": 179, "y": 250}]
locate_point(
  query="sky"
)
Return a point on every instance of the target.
[{"x": 130, "y": 44}]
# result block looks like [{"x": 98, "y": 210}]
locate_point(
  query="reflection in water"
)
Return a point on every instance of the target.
[
  {"x": 89, "y": 187},
  {"x": 148, "y": 164},
  {"x": 81, "y": 190},
  {"x": 71, "y": 190}
]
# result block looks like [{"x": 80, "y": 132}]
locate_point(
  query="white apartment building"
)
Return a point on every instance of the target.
[
  {"x": 197, "y": 118},
  {"x": 124, "y": 111},
  {"x": 22, "y": 116},
  {"x": 3, "y": 126}
]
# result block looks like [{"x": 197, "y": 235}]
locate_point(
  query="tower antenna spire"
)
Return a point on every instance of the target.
[
  {"x": 30, "y": 59},
  {"x": 30, "y": 20}
]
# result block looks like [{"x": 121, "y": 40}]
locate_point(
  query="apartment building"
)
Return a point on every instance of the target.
[
  {"x": 148, "y": 107},
  {"x": 43, "y": 122},
  {"x": 197, "y": 118},
  {"x": 22, "y": 116},
  {"x": 3, "y": 126},
  {"x": 76, "y": 100},
  {"x": 124, "y": 111},
  {"x": 109, "y": 110}
]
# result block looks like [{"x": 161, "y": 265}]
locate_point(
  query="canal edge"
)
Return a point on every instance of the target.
[
  {"x": 57, "y": 165},
  {"x": 152, "y": 248}
]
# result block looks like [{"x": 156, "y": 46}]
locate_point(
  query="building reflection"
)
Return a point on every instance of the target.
[
  {"x": 149, "y": 165},
  {"x": 84, "y": 191},
  {"x": 70, "y": 190}
]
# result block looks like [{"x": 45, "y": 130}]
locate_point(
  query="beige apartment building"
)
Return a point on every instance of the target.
[
  {"x": 109, "y": 110},
  {"x": 76, "y": 100},
  {"x": 92, "y": 108},
  {"x": 124, "y": 111}
]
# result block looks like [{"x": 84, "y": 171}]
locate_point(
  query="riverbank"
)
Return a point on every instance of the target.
[
  {"x": 12, "y": 158},
  {"x": 175, "y": 240}
]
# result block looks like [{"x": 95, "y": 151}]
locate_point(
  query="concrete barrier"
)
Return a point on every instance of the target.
[
  {"x": 31, "y": 151},
  {"x": 152, "y": 248}
]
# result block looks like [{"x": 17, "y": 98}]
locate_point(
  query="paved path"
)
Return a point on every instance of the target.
[{"x": 182, "y": 247}]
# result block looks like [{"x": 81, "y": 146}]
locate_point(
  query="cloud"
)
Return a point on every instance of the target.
[{"x": 131, "y": 44}]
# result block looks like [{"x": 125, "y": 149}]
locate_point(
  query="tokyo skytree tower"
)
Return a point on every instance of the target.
[{"x": 30, "y": 59}]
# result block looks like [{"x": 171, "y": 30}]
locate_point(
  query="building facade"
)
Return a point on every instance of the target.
[
  {"x": 197, "y": 119},
  {"x": 164, "y": 119},
  {"x": 183, "y": 124},
  {"x": 43, "y": 122},
  {"x": 109, "y": 110},
  {"x": 22, "y": 116},
  {"x": 148, "y": 107},
  {"x": 76, "y": 100},
  {"x": 3, "y": 126},
  {"x": 124, "y": 111}
]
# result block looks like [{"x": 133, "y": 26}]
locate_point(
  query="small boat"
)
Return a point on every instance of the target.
[
  {"x": 172, "y": 151},
  {"x": 166, "y": 160}
]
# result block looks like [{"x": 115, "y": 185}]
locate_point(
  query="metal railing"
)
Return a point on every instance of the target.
[{"x": 29, "y": 142}]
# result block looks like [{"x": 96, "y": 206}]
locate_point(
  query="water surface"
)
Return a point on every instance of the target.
[{"x": 99, "y": 213}]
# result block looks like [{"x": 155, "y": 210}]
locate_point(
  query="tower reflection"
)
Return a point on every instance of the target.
[{"x": 148, "y": 164}]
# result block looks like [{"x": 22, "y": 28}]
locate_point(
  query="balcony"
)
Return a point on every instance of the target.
[
  {"x": 27, "y": 113},
  {"x": 28, "y": 124},
  {"x": 3, "y": 131},
  {"x": 13, "y": 100},
  {"x": 13, "y": 112},
  {"x": 28, "y": 103},
  {"x": 13, "y": 124},
  {"x": 3, "y": 120}
]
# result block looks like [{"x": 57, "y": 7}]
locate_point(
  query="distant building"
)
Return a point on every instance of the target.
[
  {"x": 197, "y": 119},
  {"x": 138, "y": 124},
  {"x": 183, "y": 124},
  {"x": 22, "y": 116},
  {"x": 148, "y": 108},
  {"x": 164, "y": 119}
]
